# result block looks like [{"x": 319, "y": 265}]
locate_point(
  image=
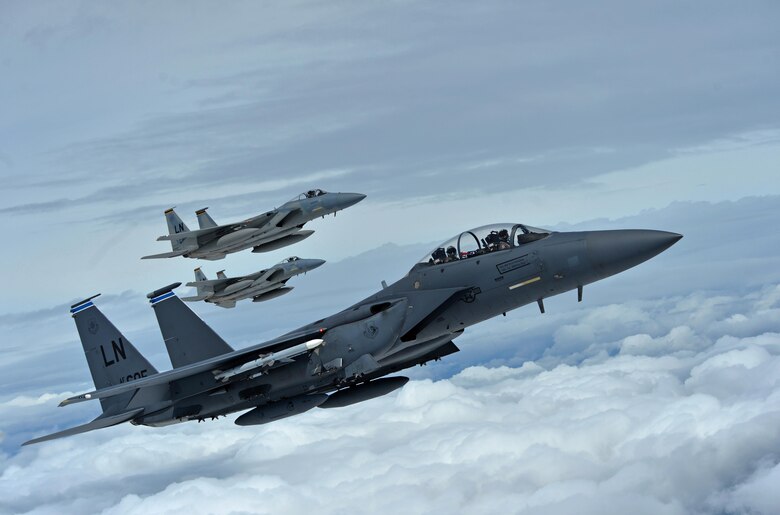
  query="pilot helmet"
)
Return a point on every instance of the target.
[
  {"x": 451, "y": 251},
  {"x": 503, "y": 235},
  {"x": 438, "y": 254}
]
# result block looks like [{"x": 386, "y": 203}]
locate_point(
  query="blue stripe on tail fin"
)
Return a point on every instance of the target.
[{"x": 111, "y": 358}]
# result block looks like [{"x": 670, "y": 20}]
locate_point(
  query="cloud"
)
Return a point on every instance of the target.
[
  {"x": 376, "y": 89},
  {"x": 685, "y": 421},
  {"x": 591, "y": 435}
]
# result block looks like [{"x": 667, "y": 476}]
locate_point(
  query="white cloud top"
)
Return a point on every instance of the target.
[{"x": 680, "y": 421}]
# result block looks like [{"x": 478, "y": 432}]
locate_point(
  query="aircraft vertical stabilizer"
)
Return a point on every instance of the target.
[
  {"x": 204, "y": 220},
  {"x": 112, "y": 359},
  {"x": 187, "y": 338},
  {"x": 175, "y": 224},
  {"x": 177, "y": 227},
  {"x": 199, "y": 275}
]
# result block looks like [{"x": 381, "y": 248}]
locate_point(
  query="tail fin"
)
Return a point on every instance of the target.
[
  {"x": 204, "y": 292},
  {"x": 221, "y": 275},
  {"x": 112, "y": 359},
  {"x": 177, "y": 226},
  {"x": 199, "y": 275},
  {"x": 204, "y": 220},
  {"x": 187, "y": 338}
]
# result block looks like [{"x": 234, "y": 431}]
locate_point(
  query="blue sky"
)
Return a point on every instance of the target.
[{"x": 658, "y": 115}]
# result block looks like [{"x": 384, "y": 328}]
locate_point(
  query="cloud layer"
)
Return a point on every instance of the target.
[{"x": 685, "y": 421}]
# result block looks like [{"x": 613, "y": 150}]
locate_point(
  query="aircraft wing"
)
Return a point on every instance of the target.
[
  {"x": 230, "y": 359},
  {"x": 98, "y": 423}
]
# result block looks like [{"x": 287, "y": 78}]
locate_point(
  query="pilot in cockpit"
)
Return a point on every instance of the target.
[
  {"x": 438, "y": 257},
  {"x": 452, "y": 254},
  {"x": 497, "y": 240},
  {"x": 503, "y": 239}
]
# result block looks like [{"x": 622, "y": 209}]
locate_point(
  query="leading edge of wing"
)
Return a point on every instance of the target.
[
  {"x": 98, "y": 423},
  {"x": 230, "y": 358}
]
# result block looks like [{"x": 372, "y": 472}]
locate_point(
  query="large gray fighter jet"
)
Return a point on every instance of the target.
[
  {"x": 341, "y": 359},
  {"x": 270, "y": 231},
  {"x": 261, "y": 286}
]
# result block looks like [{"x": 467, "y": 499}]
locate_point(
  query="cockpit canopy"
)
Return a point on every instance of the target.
[
  {"x": 290, "y": 259},
  {"x": 310, "y": 194},
  {"x": 488, "y": 238}
]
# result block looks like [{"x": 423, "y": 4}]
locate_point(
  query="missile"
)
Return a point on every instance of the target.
[{"x": 268, "y": 360}]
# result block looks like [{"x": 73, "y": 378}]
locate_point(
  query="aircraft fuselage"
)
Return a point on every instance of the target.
[{"x": 431, "y": 305}]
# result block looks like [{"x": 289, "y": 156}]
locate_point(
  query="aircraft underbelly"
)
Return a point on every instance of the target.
[{"x": 216, "y": 250}]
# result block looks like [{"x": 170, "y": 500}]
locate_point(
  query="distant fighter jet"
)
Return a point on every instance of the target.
[
  {"x": 263, "y": 285},
  {"x": 343, "y": 358},
  {"x": 269, "y": 231}
]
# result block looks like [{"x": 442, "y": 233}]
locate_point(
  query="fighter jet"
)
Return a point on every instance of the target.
[
  {"x": 261, "y": 286},
  {"x": 343, "y": 359},
  {"x": 270, "y": 231}
]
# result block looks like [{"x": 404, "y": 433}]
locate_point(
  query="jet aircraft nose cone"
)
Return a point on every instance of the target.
[
  {"x": 611, "y": 252},
  {"x": 350, "y": 199},
  {"x": 315, "y": 263}
]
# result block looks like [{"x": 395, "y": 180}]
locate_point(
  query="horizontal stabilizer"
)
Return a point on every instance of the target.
[
  {"x": 199, "y": 233},
  {"x": 207, "y": 283},
  {"x": 231, "y": 359},
  {"x": 197, "y": 297},
  {"x": 175, "y": 253},
  {"x": 98, "y": 423}
]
